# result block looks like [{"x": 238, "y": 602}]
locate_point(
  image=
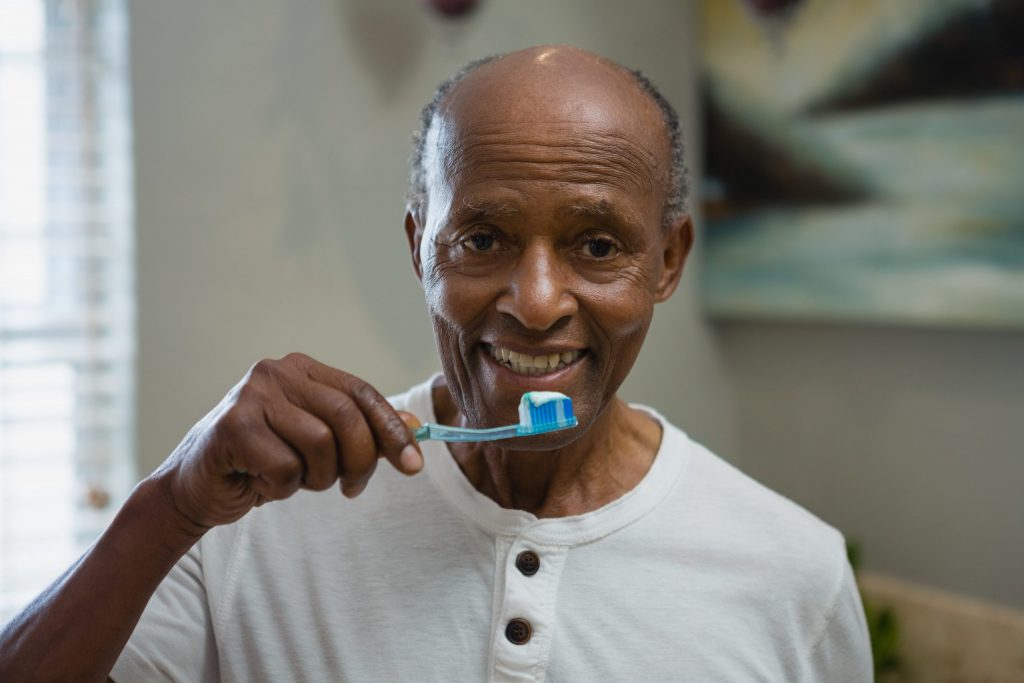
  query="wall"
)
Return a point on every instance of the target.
[
  {"x": 908, "y": 440},
  {"x": 271, "y": 146}
]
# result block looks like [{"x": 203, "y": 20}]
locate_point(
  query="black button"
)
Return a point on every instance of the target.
[
  {"x": 518, "y": 631},
  {"x": 528, "y": 562}
]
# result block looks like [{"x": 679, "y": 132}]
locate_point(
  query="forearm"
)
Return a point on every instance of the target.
[{"x": 77, "y": 627}]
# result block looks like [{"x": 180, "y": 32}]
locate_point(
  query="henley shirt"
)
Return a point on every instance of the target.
[{"x": 697, "y": 574}]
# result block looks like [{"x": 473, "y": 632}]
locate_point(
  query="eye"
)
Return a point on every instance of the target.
[
  {"x": 600, "y": 248},
  {"x": 481, "y": 241}
]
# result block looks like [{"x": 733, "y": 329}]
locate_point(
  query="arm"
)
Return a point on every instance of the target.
[
  {"x": 290, "y": 424},
  {"x": 77, "y": 627},
  {"x": 843, "y": 649}
]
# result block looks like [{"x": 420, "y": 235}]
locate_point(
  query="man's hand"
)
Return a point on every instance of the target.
[{"x": 289, "y": 424}]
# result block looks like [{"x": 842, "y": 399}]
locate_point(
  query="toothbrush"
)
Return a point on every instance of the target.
[{"x": 539, "y": 412}]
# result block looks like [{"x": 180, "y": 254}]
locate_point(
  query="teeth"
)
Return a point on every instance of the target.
[{"x": 525, "y": 364}]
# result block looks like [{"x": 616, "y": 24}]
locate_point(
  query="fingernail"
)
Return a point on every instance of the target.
[
  {"x": 352, "y": 490},
  {"x": 411, "y": 459}
]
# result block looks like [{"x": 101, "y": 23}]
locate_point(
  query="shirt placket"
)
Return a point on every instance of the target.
[{"x": 528, "y": 574}]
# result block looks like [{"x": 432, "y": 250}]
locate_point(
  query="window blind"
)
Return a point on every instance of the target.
[{"x": 66, "y": 285}]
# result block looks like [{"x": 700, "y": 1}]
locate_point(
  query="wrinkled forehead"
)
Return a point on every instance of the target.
[
  {"x": 543, "y": 151},
  {"x": 595, "y": 125}
]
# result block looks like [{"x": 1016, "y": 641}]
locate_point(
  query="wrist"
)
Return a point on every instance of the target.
[{"x": 153, "y": 500}]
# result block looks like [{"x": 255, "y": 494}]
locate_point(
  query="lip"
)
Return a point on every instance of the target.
[{"x": 551, "y": 381}]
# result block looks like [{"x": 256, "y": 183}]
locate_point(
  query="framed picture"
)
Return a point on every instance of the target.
[{"x": 864, "y": 160}]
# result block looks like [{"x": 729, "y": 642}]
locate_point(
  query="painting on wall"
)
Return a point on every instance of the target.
[{"x": 864, "y": 160}]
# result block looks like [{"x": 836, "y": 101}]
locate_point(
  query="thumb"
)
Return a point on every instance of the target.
[
  {"x": 412, "y": 457},
  {"x": 410, "y": 420}
]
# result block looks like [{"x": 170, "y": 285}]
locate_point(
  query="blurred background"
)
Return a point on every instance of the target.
[{"x": 189, "y": 187}]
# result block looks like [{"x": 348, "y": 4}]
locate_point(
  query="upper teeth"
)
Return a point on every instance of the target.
[{"x": 525, "y": 364}]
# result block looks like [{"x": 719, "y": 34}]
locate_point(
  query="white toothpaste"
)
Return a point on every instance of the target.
[{"x": 537, "y": 399}]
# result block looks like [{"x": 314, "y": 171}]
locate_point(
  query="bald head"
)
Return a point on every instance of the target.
[
  {"x": 544, "y": 84},
  {"x": 560, "y": 89}
]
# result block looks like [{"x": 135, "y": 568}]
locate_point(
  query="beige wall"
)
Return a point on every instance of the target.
[
  {"x": 271, "y": 143},
  {"x": 909, "y": 440}
]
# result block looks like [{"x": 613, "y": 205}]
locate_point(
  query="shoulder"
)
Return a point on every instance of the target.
[
  {"x": 768, "y": 552},
  {"x": 767, "y": 521},
  {"x": 775, "y": 563},
  {"x": 715, "y": 498}
]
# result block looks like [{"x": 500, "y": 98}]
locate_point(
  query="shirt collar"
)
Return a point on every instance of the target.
[{"x": 663, "y": 476}]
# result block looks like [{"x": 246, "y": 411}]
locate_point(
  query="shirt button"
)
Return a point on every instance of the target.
[
  {"x": 528, "y": 562},
  {"x": 518, "y": 631}
]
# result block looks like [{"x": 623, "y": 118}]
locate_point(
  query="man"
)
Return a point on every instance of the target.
[{"x": 546, "y": 219}]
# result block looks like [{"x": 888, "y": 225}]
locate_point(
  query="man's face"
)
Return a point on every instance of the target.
[{"x": 541, "y": 255}]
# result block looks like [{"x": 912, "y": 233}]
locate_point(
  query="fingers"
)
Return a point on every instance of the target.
[
  {"x": 289, "y": 424},
  {"x": 393, "y": 438},
  {"x": 412, "y": 457},
  {"x": 336, "y": 425},
  {"x": 311, "y": 438},
  {"x": 410, "y": 420},
  {"x": 273, "y": 467},
  {"x": 355, "y": 450}
]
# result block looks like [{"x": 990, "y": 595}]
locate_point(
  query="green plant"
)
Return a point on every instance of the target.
[{"x": 883, "y": 628}]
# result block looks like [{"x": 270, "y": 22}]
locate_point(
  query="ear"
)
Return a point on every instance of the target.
[
  {"x": 414, "y": 233},
  {"x": 676, "y": 245}
]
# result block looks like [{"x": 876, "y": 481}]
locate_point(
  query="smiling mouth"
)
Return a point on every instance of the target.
[{"x": 532, "y": 366}]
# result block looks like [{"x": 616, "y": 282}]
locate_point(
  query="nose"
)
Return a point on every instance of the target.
[{"x": 539, "y": 295}]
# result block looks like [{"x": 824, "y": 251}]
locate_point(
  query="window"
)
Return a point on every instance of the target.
[{"x": 66, "y": 283}]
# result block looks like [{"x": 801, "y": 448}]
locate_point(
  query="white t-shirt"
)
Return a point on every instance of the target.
[{"x": 697, "y": 574}]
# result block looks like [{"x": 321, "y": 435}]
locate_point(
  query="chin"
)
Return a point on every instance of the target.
[{"x": 551, "y": 441}]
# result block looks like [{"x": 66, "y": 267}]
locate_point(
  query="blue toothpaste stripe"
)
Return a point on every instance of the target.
[{"x": 552, "y": 412}]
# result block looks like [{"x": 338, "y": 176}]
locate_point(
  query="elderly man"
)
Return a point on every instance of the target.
[{"x": 546, "y": 219}]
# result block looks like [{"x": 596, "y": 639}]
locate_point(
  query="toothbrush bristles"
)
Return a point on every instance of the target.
[{"x": 541, "y": 411}]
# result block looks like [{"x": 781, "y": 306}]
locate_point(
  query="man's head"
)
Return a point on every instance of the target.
[
  {"x": 547, "y": 216},
  {"x": 676, "y": 196}
]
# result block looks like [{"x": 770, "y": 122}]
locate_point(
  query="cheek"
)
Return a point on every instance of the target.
[
  {"x": 625, "y": 320},
  {"x": 626, "y": 305},
  {"x": 622, "y": 311},
  {"x": 456, "y": 290},
  {"x": 457, "y": 306},
  {"x": 623, "y": 306},
  {"x": 455, "y": 298}
]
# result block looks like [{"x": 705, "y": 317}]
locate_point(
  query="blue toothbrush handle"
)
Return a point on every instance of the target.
[{"x": 446, "y": 433}]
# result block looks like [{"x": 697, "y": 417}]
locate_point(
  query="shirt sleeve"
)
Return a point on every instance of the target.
[
  {"x": 174, "y": 639},
  {"x": 843, "y": 652}
]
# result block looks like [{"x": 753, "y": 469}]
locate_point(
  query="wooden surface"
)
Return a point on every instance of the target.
[{"x": 947, "y": 638}]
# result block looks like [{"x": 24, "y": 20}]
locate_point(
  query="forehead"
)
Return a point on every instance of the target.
[
  {"x": 509, "y": 152},
  {"x": 565, "y": 121}
]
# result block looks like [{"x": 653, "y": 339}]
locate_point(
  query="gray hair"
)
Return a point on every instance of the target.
[{"x": 678, "y": 180}]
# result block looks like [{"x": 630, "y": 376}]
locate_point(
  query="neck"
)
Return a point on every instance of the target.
[{"x": 605, "y": 463}]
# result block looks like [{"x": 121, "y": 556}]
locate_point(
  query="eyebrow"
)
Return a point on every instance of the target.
[
  {"x": 600, "y": 209},
  {"x": 484, "y": 208}
]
